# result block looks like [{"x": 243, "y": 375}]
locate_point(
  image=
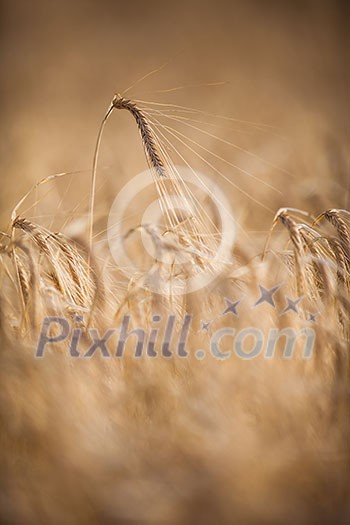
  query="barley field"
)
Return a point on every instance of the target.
[{"x": 174, "y": 263}]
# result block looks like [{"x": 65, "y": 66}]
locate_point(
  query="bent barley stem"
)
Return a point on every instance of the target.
[{"x": 148, "y": 141}]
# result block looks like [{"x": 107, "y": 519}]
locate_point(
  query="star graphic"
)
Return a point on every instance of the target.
[
  {"x": 312, "y": 317},
  {"x": 231, "y": 307},
  {"x": 292, "y": 305},
  {"x": 205, "y": 326},
  {"x": 267, "y": 295}
]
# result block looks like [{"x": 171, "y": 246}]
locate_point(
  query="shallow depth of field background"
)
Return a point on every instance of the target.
[
  {"x": 284, "y": 64},
  {"x": 93, "y": 441}
]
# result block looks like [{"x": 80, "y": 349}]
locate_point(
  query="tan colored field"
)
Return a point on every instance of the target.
[{"x": 234, "y": 408}]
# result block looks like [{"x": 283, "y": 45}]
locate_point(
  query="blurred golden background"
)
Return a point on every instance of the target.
[
  {"x": 175, "y": 441},
  {"x": 283, "y": 63}
]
